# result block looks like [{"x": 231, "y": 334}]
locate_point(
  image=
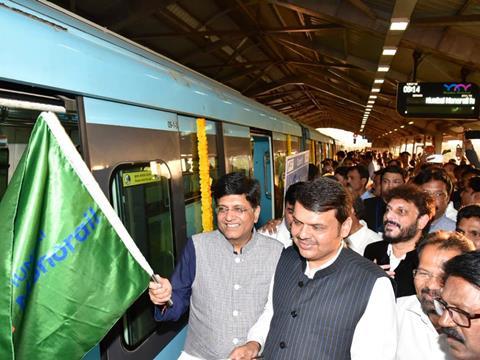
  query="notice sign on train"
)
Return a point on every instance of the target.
[
  {"x": 134, "y": 178},
  {"x": 438, "y": 100}
]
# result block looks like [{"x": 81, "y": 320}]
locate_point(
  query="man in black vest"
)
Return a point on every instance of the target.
[
  {"x": 406, "y": 219},
  {"x": 327, "y": 301}
]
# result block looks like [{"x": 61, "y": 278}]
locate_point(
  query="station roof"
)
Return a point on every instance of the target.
[{"x": 315, "y": 61}]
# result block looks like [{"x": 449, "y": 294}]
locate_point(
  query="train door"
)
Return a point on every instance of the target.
[
  {"x": 134, "y": 154},
  {"x": 263, "y": 172}
]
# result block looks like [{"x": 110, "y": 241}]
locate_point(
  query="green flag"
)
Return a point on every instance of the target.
[{"x": 69, "y": 269}]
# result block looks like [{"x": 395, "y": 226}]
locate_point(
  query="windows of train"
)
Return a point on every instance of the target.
[
  {"x": 295, "y": 144},
  {"x": 141, "y": 197},
  {"x": 18, "y": 113},
  {"x": 190, "y": 169},
  {"x": 238, "y": 149}
]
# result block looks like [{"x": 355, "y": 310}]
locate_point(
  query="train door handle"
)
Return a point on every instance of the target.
[{"x": 266, "y": 162}]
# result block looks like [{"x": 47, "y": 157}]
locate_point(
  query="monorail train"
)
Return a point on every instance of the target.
[{"x": 125, "y": 106}]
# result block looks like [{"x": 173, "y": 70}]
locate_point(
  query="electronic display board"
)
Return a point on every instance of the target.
[{"x": 438, "y": 100}]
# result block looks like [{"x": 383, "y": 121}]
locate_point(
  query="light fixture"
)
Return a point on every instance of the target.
[
  {"x": 402, "y": 126},
  {"x": 410, "y": 123},
  {"x": 375, "y": 90},
  {"x": 399, "y": 24},
  {"x": 378, "y": 81},
  {"x": 389, "y": 51},
  {"x": 371, "y": 102},
  {"x": 383, "y": 68},
  {"x": 372, "y": 96}
]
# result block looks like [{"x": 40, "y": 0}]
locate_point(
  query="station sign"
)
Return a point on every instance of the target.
[{"x": 446, "y": 100}]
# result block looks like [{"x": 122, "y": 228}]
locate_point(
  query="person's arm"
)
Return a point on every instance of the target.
[
  {"x": 375, "y": 336},
  {"x": 257, "y": 335},
  {"x": 182, "y": 280},
  {"x": 471, "y": 154}
]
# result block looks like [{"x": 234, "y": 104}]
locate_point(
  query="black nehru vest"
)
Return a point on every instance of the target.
[{"x": 316, "y": 318}]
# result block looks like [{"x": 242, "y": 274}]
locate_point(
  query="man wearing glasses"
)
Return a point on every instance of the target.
[
  {"x": 223, "y": 275},
  {"x": 436, "y": 182},
  {"x": 459, "y": 306},
  {"x": 418, "y": 337}
]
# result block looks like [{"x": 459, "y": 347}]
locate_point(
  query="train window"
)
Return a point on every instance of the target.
[
  {"x": 295, "y": 144},
  {"x": 190, "y": 171},
  {"x": 238, "y": 150},
  {"x": 18, "y": 113},
  {"x": 141, "y": 196}
]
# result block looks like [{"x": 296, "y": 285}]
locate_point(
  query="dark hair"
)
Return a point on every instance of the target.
[
  {"x": 446, "y": 240},
  {"x": 342, "y": 170},
  {"x": 359, "y": 208},
  {"x": 468, "y": 211},
  {"x": 470, "y": 170},
  {"x": 313, "y": 171},
  {"x": 424, "y": 202},
  {"x": 404, "y": 153},
  {"x": 474, "y": 183},
  {"x": 290, "y": 194},
  {"x": 237, "y": 183},
  {"x": 431, "y": 174},
  {"x": 341, "y": 154},
  {"x": 322, "y": 195},
  {"x": 465, "y": 266},
  {"x": 392, "y": 169},
  {"x": 362, "y": 170}
]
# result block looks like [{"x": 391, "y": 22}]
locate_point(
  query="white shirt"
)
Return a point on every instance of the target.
[
  {"x": 359, "y": 240},
  {"x": 375, "y": 336},
  {"x": 281, "y": 234},
  {"x": 394, "y": 261},
  {"x": 451, "y": 212},
  {"x": 417, "y": 337}
]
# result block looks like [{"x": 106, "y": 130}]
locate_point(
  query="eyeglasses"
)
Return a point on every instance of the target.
[
  {"x": 458, "y": 316},
  {"x": 236, "y": 210},
  {"x": 436, "y": 195},
  {"x": 425, "y": 275}
]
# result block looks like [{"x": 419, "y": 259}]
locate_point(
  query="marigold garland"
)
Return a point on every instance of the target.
[
  {"x": 289, "y": 144},
  {"x": 204, "y": 172}
]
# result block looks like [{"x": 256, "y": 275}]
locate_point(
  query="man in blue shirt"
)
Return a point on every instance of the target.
[{"x": 223, "y": 275}]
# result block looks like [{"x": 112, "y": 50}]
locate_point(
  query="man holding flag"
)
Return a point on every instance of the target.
[{"x": 69, "y": 268}]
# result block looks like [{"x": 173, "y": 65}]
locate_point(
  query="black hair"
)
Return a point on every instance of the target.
[
  {"x": 393, "y": 169},
  {"x": 237, "y": 183},
  {"x": 474, "y": 183},
  {"x": 313, "y": 171},
  {"x": 322, "y": 195},
  {"x": 342, "y": 170},
  {"x": 424, "y": 202},
  {"x": 468, "y": 211},
  {"x": 434, "y": 173},
  {"x": 362, "y": 170},
  {"x": 465, "y": 266},
  {"x": 359, "y": 208},
  {"x": 290, "y": 194}
]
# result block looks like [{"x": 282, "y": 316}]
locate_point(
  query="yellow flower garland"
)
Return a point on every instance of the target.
[
  {"x": 204, "y": 172},
  {"x": 289, "y": 145}
]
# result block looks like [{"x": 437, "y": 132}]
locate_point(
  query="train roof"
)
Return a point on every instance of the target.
[
  {"x": 48, "y": 47},
  {"x": 315, "y": 61}
]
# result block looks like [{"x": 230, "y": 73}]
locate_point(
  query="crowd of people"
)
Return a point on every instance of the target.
[{"x": 375, "y": 258}]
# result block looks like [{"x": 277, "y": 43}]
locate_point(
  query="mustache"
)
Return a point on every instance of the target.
[
  {"x": 385, "y": 223},
  {"x": 452, "y": 333},
  {"x": 433, "y": 293}
]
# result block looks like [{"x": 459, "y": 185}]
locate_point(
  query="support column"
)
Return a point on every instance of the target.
[{"x": 437, "y": 143}]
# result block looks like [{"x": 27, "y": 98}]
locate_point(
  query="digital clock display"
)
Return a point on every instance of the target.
[{"x": 438, "y": 100}]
